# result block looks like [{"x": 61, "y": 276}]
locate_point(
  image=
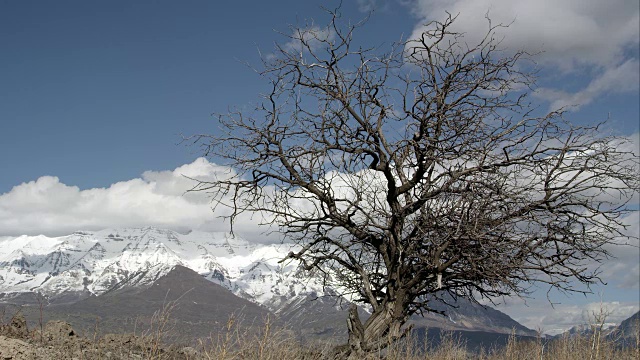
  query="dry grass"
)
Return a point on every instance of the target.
[
  {"x": 274, "y": 344},
  {"x": 237, "y": 341},
  {"x": 270, "y": 343}
]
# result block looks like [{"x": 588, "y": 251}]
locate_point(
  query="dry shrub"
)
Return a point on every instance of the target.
[
  {"x": 237, "y": 341},
  {"x": 271, "y": 342}
]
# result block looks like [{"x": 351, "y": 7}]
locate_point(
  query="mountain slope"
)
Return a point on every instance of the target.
[
  {"x": 628, "y": 332},
  {"x": 466, "y": 315},
  {"x": 88, "y": 264},
  {"x": 191, "y": 305}
]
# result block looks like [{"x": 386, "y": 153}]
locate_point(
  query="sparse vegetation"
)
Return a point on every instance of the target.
[{"x": 57, "y": 340}]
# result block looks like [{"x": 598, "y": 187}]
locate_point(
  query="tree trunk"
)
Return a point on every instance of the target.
[{"x": 379, "y": 331}]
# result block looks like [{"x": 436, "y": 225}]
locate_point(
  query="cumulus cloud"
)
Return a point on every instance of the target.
[
  {"x": 571, "y": 33},
  {"x": 158, "y": 198},
  {"x": 598, "y": 37}
]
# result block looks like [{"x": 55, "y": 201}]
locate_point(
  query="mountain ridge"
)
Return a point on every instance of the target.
[{"x": 69, "y": 268}]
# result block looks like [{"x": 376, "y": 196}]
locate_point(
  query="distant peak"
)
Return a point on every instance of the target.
[{"x": 83, "y": 233}]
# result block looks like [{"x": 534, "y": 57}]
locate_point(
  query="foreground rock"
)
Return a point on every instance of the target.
[
  {"x": 16, "y": 349},
  {"x": 57, "y": 340}
]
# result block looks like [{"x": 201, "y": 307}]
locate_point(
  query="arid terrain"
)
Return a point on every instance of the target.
[{"x": 58, "y": 340}]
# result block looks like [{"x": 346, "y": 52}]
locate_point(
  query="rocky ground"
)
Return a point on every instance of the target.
[{"x": 57, "y": 340}]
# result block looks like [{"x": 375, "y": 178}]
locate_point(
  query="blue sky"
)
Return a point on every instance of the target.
[
  {"x": 97, "y": 92},
  {"x": 94, "y": 97}
]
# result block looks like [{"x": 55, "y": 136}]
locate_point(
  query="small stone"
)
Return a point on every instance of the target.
[
  {"x": 188, "y": 351},
  {"x": 15, "y": 349}
]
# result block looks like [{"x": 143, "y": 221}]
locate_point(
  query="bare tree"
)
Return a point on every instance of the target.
[{"x": 420, "y": 171}]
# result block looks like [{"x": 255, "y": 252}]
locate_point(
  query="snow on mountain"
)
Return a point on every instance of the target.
[
  {"x": 588, "y": 329},
  {"x": 101, "y": 261},
  {"x": 69, "y": 268}
]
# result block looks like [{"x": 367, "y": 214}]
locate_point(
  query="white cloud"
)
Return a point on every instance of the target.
[
  {"x": 554, "y": 312},
  {"x": 308, "y": 38},
  {"x": 302, "y": 41},
  {"x": 538, "y": 314},
  {"x": 367, "y": 5},
  {"x": 599, "y": 38},
  {"x": 618, "y": 79},
  {"x": 158, "y": 198},
  {"x": 623, "y": 270},
  {"x": 48, "y": 206},
  {"x": 571, "y": 33}
]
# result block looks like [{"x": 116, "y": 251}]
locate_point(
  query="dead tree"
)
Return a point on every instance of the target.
[{"x": 419, "y": 171}]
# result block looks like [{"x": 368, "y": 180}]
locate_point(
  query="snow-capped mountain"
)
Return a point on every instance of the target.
[
  {"x": 101, "y": 261},
  {"x": 69, "y": 268}
]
